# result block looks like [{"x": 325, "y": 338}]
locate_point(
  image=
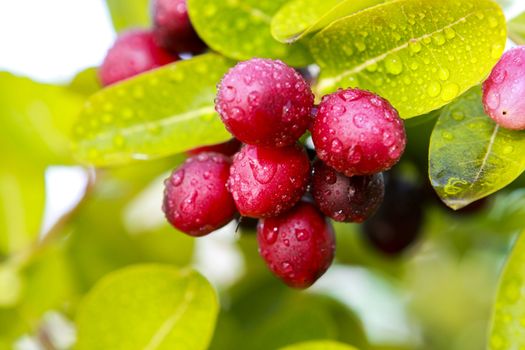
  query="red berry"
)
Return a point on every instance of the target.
[
  {"x": 299, "y": 246},
  {"x": 134, "y": 52},
  {"x": 228, "y": 148},
  {"x": 265, "y": 102},
  {"x": 357, "y": 132},
  {"x": 346, "y": 199},
  {"x": 266, "y": 182},
  {"x": 196, "y": 200},
  {"x": 504, "y": 90},
  {"x": 173, "y": 28}
]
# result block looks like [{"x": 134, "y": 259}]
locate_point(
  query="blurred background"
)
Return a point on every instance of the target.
[{"x": 63, "y": 227}]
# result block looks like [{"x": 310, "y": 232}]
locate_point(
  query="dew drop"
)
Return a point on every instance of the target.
[
  {"x": 360, "y": 46},
  {"x": 394, "y": 152},
  {"x": 337, "y": 110},
  {"x": 177, "y": 178},
  {"x": 499, "y": 76},
  {"x": 372, "y": 67},
  {"x": 450, "y": 91},
  {"x": 388, "y": 139},
  {"x": 394, "y": 65},
  {"x": 229, "y": 93},
  {"x": 359, "y": 120},
  {"x": 337, "y": 146},
  {"x": 188, "y": 205},
  {"x": 508, "y": 150},
  {"x": 331, "y": 177},
  {"x": 493, "y": 99},
  {"x": 263, "y": 173},
  {"x": 447, "y": 136},
  {"x": 433, "y": 89},
  {"x": 253, "y": 99},
  {"x": 450, "y": 33},
  {"x": 302, "y": 235},
  {"x": 237, "y": 113},
  {"x": 493, "y": 22},
  {"x": 286, "y": 242},
  {"x": 458, "y": 116},
  {"x": 354, "y": 155},
  {"x": 271, "y": 235},
  {"x": 287, "y": 267},
  {"x": 444, "y": 74}
]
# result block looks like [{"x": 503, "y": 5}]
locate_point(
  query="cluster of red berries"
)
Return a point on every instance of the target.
[
  {"x": 268, "y": 106},
  {"x": 137, "y": 51}
]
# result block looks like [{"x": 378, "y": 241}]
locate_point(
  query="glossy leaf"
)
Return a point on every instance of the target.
[
  {"x": 156, "y": 114},
  {"x": 35, "y": 119},
  {"x": 419, "y": 55},
  {"x": 22, "y": 200},
  {"x": 517, "y": 29},
  {"x": 298, "y": 18},
  {"x": 470, "y": 156},
  {"x": 148, "y": 307},
  {"x": 320, "y": 345},
  {"x": 241, "y": 29},
  {"x": 127, "y": 14},
  {"x": 507, "y": 331}
]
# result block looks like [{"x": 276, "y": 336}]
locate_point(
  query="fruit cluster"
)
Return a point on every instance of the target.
[
  {"x": 137, "y": 51},
  {"x": 268, "y": 106}
]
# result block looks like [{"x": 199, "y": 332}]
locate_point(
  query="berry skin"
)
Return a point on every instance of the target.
[
  {"x": 228, "y": 148},
  {"x": 196, "y": 200},
  {"x": 133, "y": 52},
  {"x": 299, "y": 246},
  {"x": 266, "y": 182},
  {"x": 173, "y": 29},
  {"x": 398, "y": 223},
  {"x": 346, "y": 199},
  {"x": 504, "y": 90},
  {"x": 357, "y": 132},
  {"x": 264, "y": 102}
]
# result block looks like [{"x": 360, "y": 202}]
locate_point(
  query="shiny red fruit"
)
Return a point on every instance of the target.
[
  {"x": 228, "y": 148},
  {"x": 265, "y": 102},
  {"x": 133, "y": 52},
  {"x": 266, "y": 182},
  {"x": 346, "y": 199},
  {"x": 196, "y": 200},
  {"x": 173, "y": 29},
  {"x": 357, "y": 132},
  {"x": 504, "y": 90},
  {"x": 298, "y": 246}
]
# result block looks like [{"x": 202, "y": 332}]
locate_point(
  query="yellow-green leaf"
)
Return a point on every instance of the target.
[
  {"x": 418, "y": 54},
  {"x": 471, "y": 156},
  {"x": 127, "y": 14},
  {"x": 298, "y": 18},
  {"x": 517, "y": 29},
  {"x": 240, "y": 29},
  {"x": 148, "y": 307},
  {"x": 507, "y": 331},
  {"x": 320, "y": 345},
  {"x": 156, "y": 114}
]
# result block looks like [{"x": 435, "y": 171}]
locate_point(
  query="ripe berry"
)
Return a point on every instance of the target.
[
  {"x": 173, "y": 29},
  {"x": 358, "y": 133},
  {"x": 132, "y": 53},
  {"x": 504, "y": 91},
  {"x": 346, "y": 199},
  {"x": 299, "y": 246},
  {"x": 228, "y": 148},
  {"x": 266, "y": 182},
  {"x": 265, "y": 102},
  {"x": 196, "y": 200},
  {"x": 398, "y": 222}
]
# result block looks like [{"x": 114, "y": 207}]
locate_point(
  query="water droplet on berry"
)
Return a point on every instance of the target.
[
  {"x": 349, "y": 95},
  {"x": 337, "y": 146},
  {"x": 493, "y": 99},
  {"x": 388, "y": 139},
  {"x": 354, "y": 155},
  {"x": 229, "y": 93},
  {"x": 359, "y": 120},
  {"x": 253, "y": 99},
  {"x": 337, "y": 110},
  {"x": 287, "y": 267},
  {"x": 263, "y": 173},
  {"x": 499, "y": 75},
  {"x": 302, "y": 235},
  {"x": 331, "y": 177},
  {"x": 237, "y": 113},
  {"x": 271, "y": 235},
  {"x": 177, "y": 178},
  {"x": 188, "y": 205},
  {"x": 394, "y": 152},
  {"x": 286, "y": 242}
]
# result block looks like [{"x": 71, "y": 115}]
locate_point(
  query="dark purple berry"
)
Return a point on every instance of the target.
[
  {"x": 133, "y": 52},
  {"x": 399, "y": 220},
  {"x": 196, "y": 200},
  {"x": 267, "y": 182},
  {"x": 298, "y": 246},
  {"x": 346, "y": 199},
  {"x": 504, "y": 90},
  {"x": 173, "y": 29},
  {"x": 265, "y": 102},
  {"x": 357, "y": 132}
]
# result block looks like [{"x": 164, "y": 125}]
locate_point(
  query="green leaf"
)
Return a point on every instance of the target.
[
  {"x": 22, "y": 200},
  {"x": 86, "y": 82},
  {"x": 127, "y": 14},
  {"x": 298, "y": 18},
  {"x": 159, "y": 113},
  {"x": 148, "y": 307},
  {"x": 320, "y": 345},
  {"x": 507, "y": 331},
  {"x": 470, "y": 156},
  {"x": 240, "y": 29},
  {"x": 419, "y": 55},
  {"x": 35, "y": 119},
  {"x": 517, "y": 29}
]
